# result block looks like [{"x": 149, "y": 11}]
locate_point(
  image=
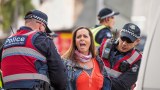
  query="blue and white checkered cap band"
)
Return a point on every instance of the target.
[
  {"x": 111, "y": 14},
  {"x": 38, "y": 18},
  {"x": 131, "y": 33}
]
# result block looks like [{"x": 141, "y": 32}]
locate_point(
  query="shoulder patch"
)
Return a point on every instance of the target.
[
  {"x": 15, "y": 41},
  {"x": 109, "y": 35},
  {"x": 135, "y": 68},
  {"x": 106, "y": 32}
]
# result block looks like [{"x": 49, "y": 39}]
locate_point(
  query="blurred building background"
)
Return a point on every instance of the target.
[{"x": 66, "y": 15}]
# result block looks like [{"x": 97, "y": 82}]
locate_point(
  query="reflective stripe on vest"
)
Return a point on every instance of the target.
[
  {"x": 23, "y": 51},
  {"x": 133, "y": 57},
  {"x": 95, "y": 31},
  {"x": 113, "y": 73},
  {"x": 25, "y": 76}
]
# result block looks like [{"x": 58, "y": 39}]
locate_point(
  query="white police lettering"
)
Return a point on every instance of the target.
[
  {"x": 131, "y": 33},
  {"x": 15, "y": 41}
]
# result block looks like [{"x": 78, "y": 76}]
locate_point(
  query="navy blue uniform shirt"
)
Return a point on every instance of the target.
[{"x": 103, "y": 33}]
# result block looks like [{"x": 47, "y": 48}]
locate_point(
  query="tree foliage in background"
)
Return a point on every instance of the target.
[{"x": 11, "y": 10}]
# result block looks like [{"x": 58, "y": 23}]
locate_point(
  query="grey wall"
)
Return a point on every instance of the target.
[{"x": 88, "y": 14}]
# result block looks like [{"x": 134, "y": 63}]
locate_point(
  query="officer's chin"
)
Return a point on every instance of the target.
[{"x": 123, "y": 50}]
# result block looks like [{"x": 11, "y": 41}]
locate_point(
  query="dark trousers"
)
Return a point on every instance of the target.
[
  {"x": 21, "y": 89},
  {"x": 32, "y": 89},
  {"x": 41, "y": 86}
]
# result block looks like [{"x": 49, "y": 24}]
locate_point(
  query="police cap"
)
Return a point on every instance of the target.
[
  {"x": 131, "y": 31},
  {"x": 38, "y": 15},
  {"x": 106, "y": 12}
]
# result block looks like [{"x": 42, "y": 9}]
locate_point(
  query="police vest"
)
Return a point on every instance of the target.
[
  {"x": 131, "y": 58},
  {"x": 95, "y": 31},
  {"x": 20, "y": 54}
]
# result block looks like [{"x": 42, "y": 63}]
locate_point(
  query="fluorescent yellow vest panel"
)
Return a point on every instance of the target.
[{"x": 95, "y": 31}]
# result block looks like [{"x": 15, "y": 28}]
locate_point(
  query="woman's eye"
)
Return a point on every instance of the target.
[
  {"x": 79, "y": 36},
  {"x": 85, "y": 36}
]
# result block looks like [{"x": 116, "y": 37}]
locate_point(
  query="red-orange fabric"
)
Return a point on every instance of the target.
[{"x": 90, "y": 82}]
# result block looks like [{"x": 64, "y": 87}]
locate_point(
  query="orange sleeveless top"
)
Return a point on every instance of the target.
[{"x": 90, "y": 82}]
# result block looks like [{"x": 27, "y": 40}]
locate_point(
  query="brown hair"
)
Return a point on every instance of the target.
[{"x": 70, "y": 53}]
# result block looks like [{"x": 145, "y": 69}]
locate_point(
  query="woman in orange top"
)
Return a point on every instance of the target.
[{"x": 85, "y": 70}]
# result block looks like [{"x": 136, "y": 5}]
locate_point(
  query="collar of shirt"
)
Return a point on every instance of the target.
[{"x": 24, "y": 28}]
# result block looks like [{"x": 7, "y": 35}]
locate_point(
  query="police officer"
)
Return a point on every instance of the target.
[
  {"x": 30, "y": 60},
  {"x": 1, "y": 82},
  {"x": 103, "y": 30},
  {"x": 121, "y": 59}
]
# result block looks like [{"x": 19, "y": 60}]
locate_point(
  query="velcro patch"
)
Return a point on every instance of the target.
[{"x": 15, "y": 41}]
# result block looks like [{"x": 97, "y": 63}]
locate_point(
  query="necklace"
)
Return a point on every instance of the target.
[{"x": 87, "y": 65}]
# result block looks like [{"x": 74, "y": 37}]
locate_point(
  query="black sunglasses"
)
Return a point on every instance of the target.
[{"x": 126, "y": 39}]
